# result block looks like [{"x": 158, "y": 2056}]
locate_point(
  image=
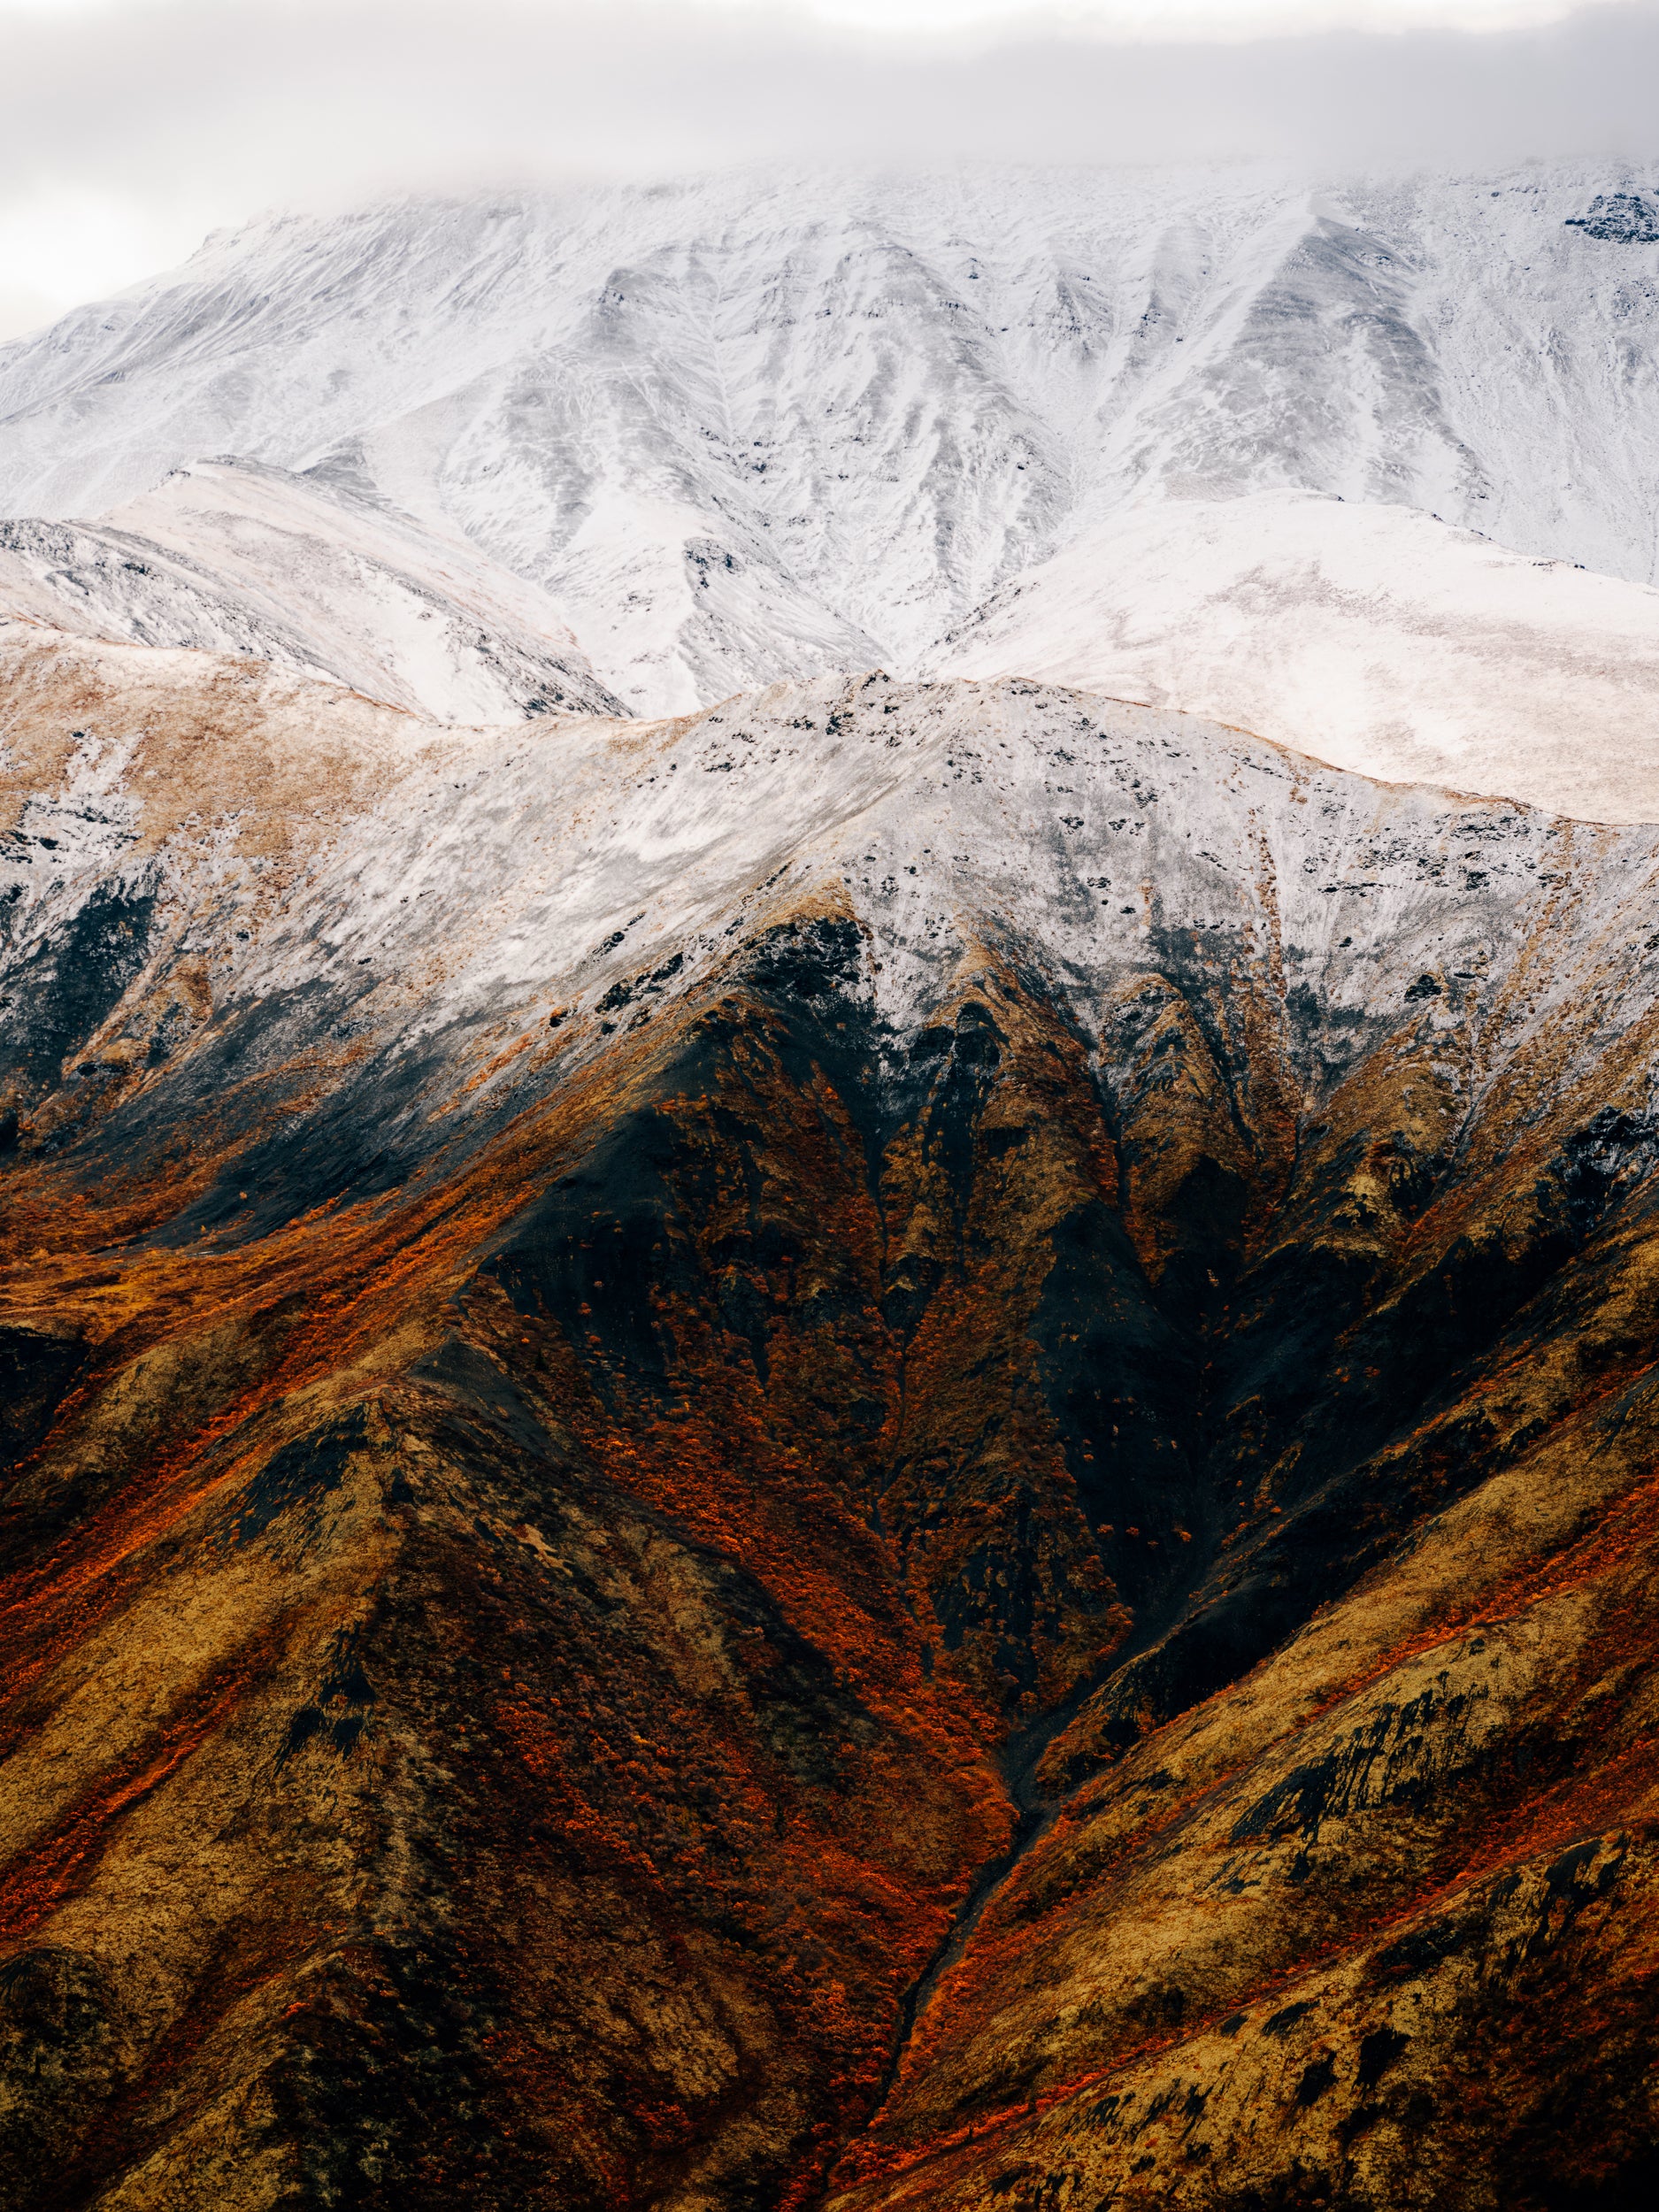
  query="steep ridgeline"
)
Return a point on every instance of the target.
[
  {"x": 232, "y": 557},
  {"x": 767, "y": 424},
  {"x": 894, "y": 1447},
  {"x": 1373, "y": 637}
]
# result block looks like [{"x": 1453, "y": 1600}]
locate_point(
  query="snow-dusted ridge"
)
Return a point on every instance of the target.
[
  {"x": 236, "y": 558},
  {"x": 761, "y": 425},
  {"x": 1373, "y": 637},
  {"x": 474, "y": 911}
]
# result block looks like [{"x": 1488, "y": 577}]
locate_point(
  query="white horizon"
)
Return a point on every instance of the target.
[{"x": 131, "y": 129}]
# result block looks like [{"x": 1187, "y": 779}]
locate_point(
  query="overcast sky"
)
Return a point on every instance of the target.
[{"x": 129, "y": 128}]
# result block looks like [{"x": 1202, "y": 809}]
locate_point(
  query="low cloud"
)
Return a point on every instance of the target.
[{"x": 126, "y": 135}]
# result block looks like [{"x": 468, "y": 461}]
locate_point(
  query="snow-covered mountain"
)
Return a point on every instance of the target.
[
  {"x": 891, "y": 1446},
  {"x": 1372, "y": 637},
  {"x": 765, "y": 424},
  {"x": 237, "y": 557}
]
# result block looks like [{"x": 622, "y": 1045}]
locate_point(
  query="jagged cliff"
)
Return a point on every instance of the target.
[{"x": 890, "y": 1447}]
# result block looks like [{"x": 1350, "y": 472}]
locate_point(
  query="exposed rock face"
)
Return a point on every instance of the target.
[
  {"x": 645, "y": 1362},
  {"x": 1621, "y": 218}
]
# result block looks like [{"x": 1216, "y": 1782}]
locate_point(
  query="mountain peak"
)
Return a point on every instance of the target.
[{"x": 766, "y": 423}]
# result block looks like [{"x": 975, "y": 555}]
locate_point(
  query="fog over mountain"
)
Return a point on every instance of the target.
[{"x": 129, "y": 128}]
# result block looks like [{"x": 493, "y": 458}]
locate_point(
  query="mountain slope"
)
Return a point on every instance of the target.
[
  {"x": 768, "y": 425},
  {"x": 644, "y": 1358},
  {"x": 1374, "y": 637},
  {"x": 234, "y": 558},
  {"x": 891, "y": 1446}
]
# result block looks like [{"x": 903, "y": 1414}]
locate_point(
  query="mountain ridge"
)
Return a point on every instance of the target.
[
  {"x": 767, "y": 424},
  {"x": 230, "y": 556},
  {"x": 596, "y": 1310},
  {"x": 887, "y": 1446}
]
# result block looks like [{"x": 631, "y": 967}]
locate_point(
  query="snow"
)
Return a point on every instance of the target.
[
  {"x": 1373, "y": 637},
  {"x": 240, "y": 558},
  {"x": 767, "y": 424},
  {"x": 433, "y": 893}
]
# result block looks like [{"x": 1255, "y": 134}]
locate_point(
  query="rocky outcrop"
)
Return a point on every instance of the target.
[
  {"x": 891, "y": 1448},
  {"x": 1620, "y": 218}
]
